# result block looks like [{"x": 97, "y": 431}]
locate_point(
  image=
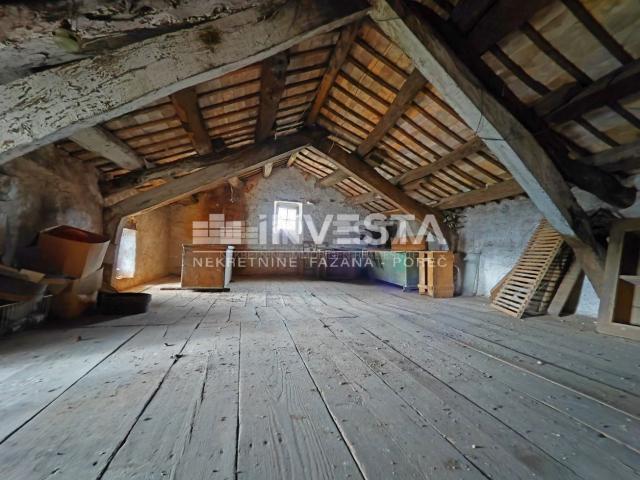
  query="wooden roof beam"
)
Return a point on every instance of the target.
[
  {"x": 292, "y": 159},
  {"x": 232, "y": 165},
  {"x": 619, "y": 159},
  {"x": 464, "y": 150},
  {"x": 364, "y": 198},
  {"x": 236, "y": 183},
  {"x": 267, "y": 169},
  {"x": 354, "y": 166},
  {"x": 272, "y": 85},
  {"x": 570, "y": 103},
  {"x": 497, "y": 191},
  {"x": 56, "y": 103},
  {"x": 412, "y": 85},
  {"x": 504, "y": 135},
  {"x": 338, "y": 57},
  {"x": 185, "y": 103},
  {"x": 502, "y": 18},
  {"x": 101, "y": 141}
]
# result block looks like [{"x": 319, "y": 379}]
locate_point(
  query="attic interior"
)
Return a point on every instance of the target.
[{"x": 320, "y": 239}]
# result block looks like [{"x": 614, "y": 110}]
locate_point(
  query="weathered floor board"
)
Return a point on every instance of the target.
[
  {"x": 319, "y": 380},
  {"x": 285, "y": 428}
]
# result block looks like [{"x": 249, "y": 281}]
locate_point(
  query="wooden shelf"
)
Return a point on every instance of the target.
[{"x": 634, "y": 279}]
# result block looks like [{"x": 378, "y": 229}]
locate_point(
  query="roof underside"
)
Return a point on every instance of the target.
[{"x": 565, "y": 42}]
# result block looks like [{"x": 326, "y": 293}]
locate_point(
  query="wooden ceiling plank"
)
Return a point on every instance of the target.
[
  {"x": 101, "y": 141},
  {"x": 504, "y": 135},
  {"x": 338, "y": 57},
  {"x": 186, "y": 105},
  {"x": 413, "y": 84},
  {"x": 597, "y": 30},
  {"x": 93, "y": 90}
]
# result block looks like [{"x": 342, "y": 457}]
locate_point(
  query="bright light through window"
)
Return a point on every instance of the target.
[
  {"x": 126, "y": 262},
  {"x": 287, "y": 217}
]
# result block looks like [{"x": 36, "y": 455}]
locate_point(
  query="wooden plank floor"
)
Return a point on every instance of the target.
[{"x": 291, "y": 379}]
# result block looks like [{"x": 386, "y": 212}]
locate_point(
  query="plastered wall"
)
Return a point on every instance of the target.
[{"x": 152, "y": 248}]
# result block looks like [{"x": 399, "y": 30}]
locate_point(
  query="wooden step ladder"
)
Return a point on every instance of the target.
[{"x": 530, "y": 285}]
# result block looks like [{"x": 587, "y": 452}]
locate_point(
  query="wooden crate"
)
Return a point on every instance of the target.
[{"x": 436, "y": 274}]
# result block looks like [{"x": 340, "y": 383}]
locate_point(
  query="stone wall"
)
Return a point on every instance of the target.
[
  {"x": 43, "y": 190},
  {"x": 493, "y": 236},
  {"x": 290, "y": 184},
  {"x": 256, "y": 198}
]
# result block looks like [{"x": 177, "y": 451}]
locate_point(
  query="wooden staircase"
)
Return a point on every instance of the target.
[{"x": 531, "y": 284}]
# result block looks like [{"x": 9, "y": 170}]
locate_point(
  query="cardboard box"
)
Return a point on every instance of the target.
[
  {"x": 72, "y": 251},
  {"x": 78, "y": 296},
  {"x": 86, "y": 285}
]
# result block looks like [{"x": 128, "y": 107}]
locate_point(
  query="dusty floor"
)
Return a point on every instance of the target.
[{"x": 310, "y": 379}]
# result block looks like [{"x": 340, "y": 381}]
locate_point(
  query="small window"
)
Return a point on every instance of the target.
[
  {"x": 287, "y": 217},
  {"x": 126, "y": 262}
]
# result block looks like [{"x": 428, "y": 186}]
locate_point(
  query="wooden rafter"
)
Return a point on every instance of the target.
[
  {"x": 602, "y": 184},
  {"x": 63, "y": 100},
  {"x": 619, "y": 159},
  {"x": 101, "y": 141},
  {"x": 497, "y": 191},
  {"x": 355, "y": 167},
  {"x": 338, "y": 57},
  {"x": 364, "y": 198},
  {"x": 236, "y": 183},
  {"x": 407, "y": 93},
  {"x": 502, "y": 18},
  {"x": 605, "y": 38},
  {"x": 505, "y": 135},
  {"x": 618, "y": 84},
  {"x": 273, "y": 78},
  {"x": 186, "y": 105},
  {"x": 267, "y": 169},
  {"x": 332, "y": 179},
  {"x": 292, "y": 159},
  {"x": 472, "y": 146}
]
